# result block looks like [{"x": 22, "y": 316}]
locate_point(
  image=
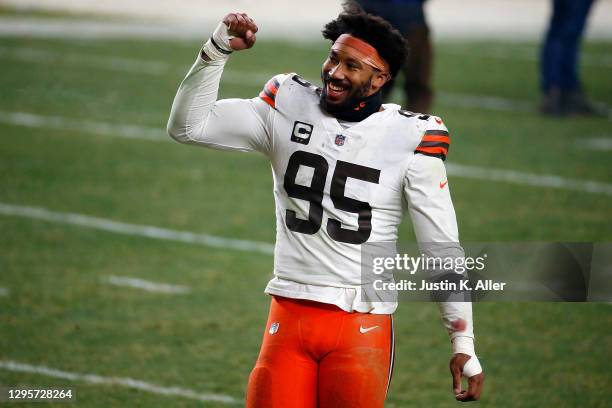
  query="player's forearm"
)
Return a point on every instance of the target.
[
  {"x": 194, "y": 101},
  {"x": 457, "y": 319},
  {"x": 198, "y": 92},
  {"x": 456, "y": 313},
  {"x": 435, "y": 225}
]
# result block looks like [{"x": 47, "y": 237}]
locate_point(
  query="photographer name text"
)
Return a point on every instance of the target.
[{"x": 441, "y": 286}]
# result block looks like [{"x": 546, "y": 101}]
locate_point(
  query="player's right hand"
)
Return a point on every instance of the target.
[
  {"x": 475, "y": 382},
  {"x": 242, "y": 28}
]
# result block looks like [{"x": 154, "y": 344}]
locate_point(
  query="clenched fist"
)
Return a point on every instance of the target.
[{"x": 242, "y": 28}]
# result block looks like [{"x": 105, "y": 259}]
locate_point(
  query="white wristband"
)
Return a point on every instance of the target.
[
  {"x": 471, "y": 367},
  {"x": 465, "y": 345},
  {"x": 218, "y": 45}
]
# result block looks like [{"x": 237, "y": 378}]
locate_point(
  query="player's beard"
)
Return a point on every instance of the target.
[{"x": 352, "y": 100}]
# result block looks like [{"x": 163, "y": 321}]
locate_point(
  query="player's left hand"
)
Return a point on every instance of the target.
[{"x": 475, "y": 382}]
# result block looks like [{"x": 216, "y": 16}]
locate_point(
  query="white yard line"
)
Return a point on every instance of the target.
[
  {"x": 122, "y": 64},
  {"x": 112, "y": 63},
  {"x": 528, "y": 179},
  {"x": 88, "y": 126},
  {"x": 147, "y": 286},
  {"x": 4, "y": 292},
  {"x": 494, "y": 103},
  {"x": 149, "y": 133},
  {"x": 148, "y": 231},
  {"x": 90, "y": 29},
  {"x": 603, "y": 144},
  {"x": 520, "y": 54},
  {"x": 126, "y": 382},
  {"x": 157, "y": 67}
]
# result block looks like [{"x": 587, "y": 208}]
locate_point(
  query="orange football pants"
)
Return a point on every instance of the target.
[{"x": 315, "y": 355}]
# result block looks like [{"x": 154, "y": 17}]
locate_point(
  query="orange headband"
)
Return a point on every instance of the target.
[{"x": 367, "y": 54}]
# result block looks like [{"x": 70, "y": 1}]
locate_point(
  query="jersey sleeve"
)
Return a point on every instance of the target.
[
  {"x": 197, "y": 117},
  {"x": 435, "y": 141},
  {"x": 429, "y": 202},
  {"x": 426, "y": 186},
  {"x": 270, "y": 90},
  {"x": 433, "y": 217}
]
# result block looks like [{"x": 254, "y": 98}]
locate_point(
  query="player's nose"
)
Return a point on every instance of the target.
[{"x": 336, "y": 72}]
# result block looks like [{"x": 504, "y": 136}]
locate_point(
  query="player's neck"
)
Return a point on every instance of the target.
[{"x": 361, "y": 109}]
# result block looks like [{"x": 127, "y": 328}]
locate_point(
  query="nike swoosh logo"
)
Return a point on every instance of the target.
[
  {"x": 443, "y": 184},
  {"x": 365, "y": 330}
]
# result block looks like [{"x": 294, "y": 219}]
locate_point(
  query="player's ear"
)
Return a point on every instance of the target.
[{"x": 379, "y": 80}]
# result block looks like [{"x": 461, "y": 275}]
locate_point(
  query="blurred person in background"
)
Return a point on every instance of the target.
[
  {"x": 408, "y": 17},
  {"x": 562, "y": 92}
]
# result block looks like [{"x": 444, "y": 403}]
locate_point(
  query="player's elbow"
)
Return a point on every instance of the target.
[
  {"x": 177, "y": 131},
  {"x": 185, "y": 132}
]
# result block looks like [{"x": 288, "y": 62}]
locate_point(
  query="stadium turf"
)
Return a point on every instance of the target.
[{"x": 59, "y": 311}]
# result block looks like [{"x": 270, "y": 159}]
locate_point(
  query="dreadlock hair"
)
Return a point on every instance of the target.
[{"x": 372, "y": 29}]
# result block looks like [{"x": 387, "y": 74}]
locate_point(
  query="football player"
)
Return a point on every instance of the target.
[{"x": 345, "y": 169}]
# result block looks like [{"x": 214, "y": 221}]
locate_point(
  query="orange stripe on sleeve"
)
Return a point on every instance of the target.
[
  {"x": 271, "y": 88},
  {"x": 433, "y": 150},
  {"x": 268, "y": 94},
  {"x": 267, "y": 99},
  {"x": 436, "y": 138}
]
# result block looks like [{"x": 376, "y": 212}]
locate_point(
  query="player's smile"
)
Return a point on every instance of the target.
[{"x": 336, "y": 92}]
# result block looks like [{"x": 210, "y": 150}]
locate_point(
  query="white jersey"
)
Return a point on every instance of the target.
[
  {"x": 337, "y": 188},
  {"x": 336, "y": 185}
]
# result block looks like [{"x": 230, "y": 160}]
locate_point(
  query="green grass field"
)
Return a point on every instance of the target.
[{"x": 59, "y": 313}]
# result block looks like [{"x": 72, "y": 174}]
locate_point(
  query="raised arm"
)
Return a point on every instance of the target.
[
  {"x": 433, "y": 217},
  {"x": 229, "y": 124}
]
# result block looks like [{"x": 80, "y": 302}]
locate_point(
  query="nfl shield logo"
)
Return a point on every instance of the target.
[{"x": 340, "y": 140}]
